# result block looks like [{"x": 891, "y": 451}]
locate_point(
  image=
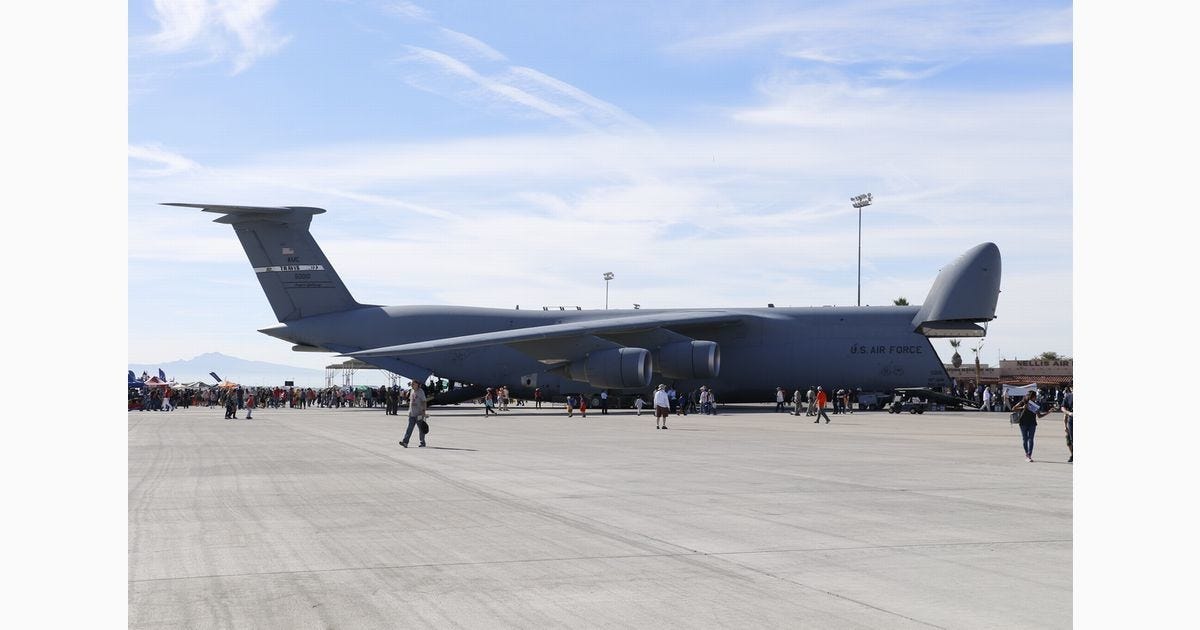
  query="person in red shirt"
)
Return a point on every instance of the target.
[{"x": 822, "y": 398}]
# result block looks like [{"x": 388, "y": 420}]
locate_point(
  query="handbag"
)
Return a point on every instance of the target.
[
  {"x": 1014, "y": 417},
  {"x": 423, "y": 426}
]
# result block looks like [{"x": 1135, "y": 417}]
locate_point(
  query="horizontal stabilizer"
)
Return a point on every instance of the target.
[
  {"x": 233, "y": 214},
  {"x": 951, "y": 329}
]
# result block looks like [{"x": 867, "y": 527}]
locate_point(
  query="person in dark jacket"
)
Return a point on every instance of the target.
[{"x": 1068, "y": 409}]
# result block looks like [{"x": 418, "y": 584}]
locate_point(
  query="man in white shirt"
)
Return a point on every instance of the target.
[{"x": 662, "y": 407}]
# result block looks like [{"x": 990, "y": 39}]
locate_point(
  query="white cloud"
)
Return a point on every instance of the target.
[
  {"x": 491, "y": 89},
  {"x": 472, "y": 45},
  {"x": 237, "y": 30},
  {"x": 873, "y": 31},
  {"x": 181, "y": 22},
  {"x": 168, "y": 163},
  {"x": 524, "y": 91},
  {"x": 407, "y": 10},
  {"x": 592, "y": 107}
]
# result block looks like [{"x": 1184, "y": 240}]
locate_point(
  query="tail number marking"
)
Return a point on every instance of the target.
[{"x": 280, "y": 268}]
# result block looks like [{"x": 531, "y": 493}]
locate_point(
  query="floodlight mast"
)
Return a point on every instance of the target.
[
  {"x": 608, "y": 275},
  {"x": 858, "y": 201}
]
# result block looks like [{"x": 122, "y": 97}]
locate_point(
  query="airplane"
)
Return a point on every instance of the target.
[{"x": 742, "y": 354}]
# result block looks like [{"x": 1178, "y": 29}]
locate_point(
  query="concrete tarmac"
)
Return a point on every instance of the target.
[{"x": 317, "y": 518}]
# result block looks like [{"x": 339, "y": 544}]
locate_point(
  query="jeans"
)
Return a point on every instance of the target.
[
  {"x": 412, "y": 422},
  {"x": 1027, "y": 431}
]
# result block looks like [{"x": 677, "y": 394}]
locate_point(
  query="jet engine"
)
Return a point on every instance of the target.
[
  {"x": 690, "y": 360},
  {"x": 616, "y": 367}
]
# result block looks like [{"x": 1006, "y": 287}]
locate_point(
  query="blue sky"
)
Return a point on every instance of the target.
[{"x": 513, "y": 152}]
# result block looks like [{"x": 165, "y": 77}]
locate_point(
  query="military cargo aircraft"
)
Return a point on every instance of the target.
[{"x": 741, "y": 353}]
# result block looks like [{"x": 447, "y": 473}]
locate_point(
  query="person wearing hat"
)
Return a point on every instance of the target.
[
  {"x": 706, "y": 400},
  {"x": 822, "y": 398},
  {"x": 662, "y": 407}
]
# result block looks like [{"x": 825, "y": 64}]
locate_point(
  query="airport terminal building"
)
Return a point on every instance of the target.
[{"x": 1056, "y": 373}]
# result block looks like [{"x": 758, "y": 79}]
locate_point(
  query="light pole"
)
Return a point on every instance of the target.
[
  {"x": 977, "y": 349},
  {"x": 858, "y": 202},
  {"x": 608, "y": 275}
]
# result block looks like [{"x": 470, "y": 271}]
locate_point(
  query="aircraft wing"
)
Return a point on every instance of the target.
[{"x": 531, "y": 339}]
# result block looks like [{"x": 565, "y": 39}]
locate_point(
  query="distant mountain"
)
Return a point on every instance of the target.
[{"x": 238, "y": 371}]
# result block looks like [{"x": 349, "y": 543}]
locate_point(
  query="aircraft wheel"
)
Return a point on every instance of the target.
[{"x": 912, "y": 411}]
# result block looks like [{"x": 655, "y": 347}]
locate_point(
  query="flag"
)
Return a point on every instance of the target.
[
  {"x": 288, "y": 251},
  {"x": 161, "y": 375}
]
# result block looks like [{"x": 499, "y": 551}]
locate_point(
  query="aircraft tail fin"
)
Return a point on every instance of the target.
[
  {"x": 964, "y": 294},
  {"x": 292, "y": 269}
]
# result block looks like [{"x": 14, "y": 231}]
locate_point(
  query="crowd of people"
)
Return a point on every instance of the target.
[{"x": 667, "y": 401}]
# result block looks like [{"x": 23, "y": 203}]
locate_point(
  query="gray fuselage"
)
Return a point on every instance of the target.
[{"x": 872, "y": 348}]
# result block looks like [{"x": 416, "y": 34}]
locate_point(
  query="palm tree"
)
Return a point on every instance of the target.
[
  {"x": 956, "y": 360},
  {"x": 900, "y": 301}
]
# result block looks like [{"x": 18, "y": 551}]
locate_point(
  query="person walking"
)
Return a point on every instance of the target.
[
  {"x": 416, "y": 414},
  {"x": 251, "y": 400},
  {"x": 662, "y": 407},
  {"x": 230, "y": 405},
  {"x": 822, "y": 398},
  {"x": 537, "y": 397},
  {"x": 489, "y": 403},
  {"x": 1029, "y": 411},
  {"x": 604, "y": 403},
  {"x": 797, "y": 400},
  {"x": 811, "y": 399},
  {"x": 1068, "y": 409},
  {"x": 780, "y": 398},
  {"x": 583, "y": 401},
  {"x": 639, "y": 404},
  {"x": 571, "y": 402}
]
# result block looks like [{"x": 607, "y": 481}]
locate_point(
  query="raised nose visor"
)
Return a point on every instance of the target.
[{"x": 964, "y": 293}]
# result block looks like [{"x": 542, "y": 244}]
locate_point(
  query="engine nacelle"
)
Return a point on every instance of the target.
[
  {"x": 617, "y": 368},
  {"x": 690, "y": 360}
]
